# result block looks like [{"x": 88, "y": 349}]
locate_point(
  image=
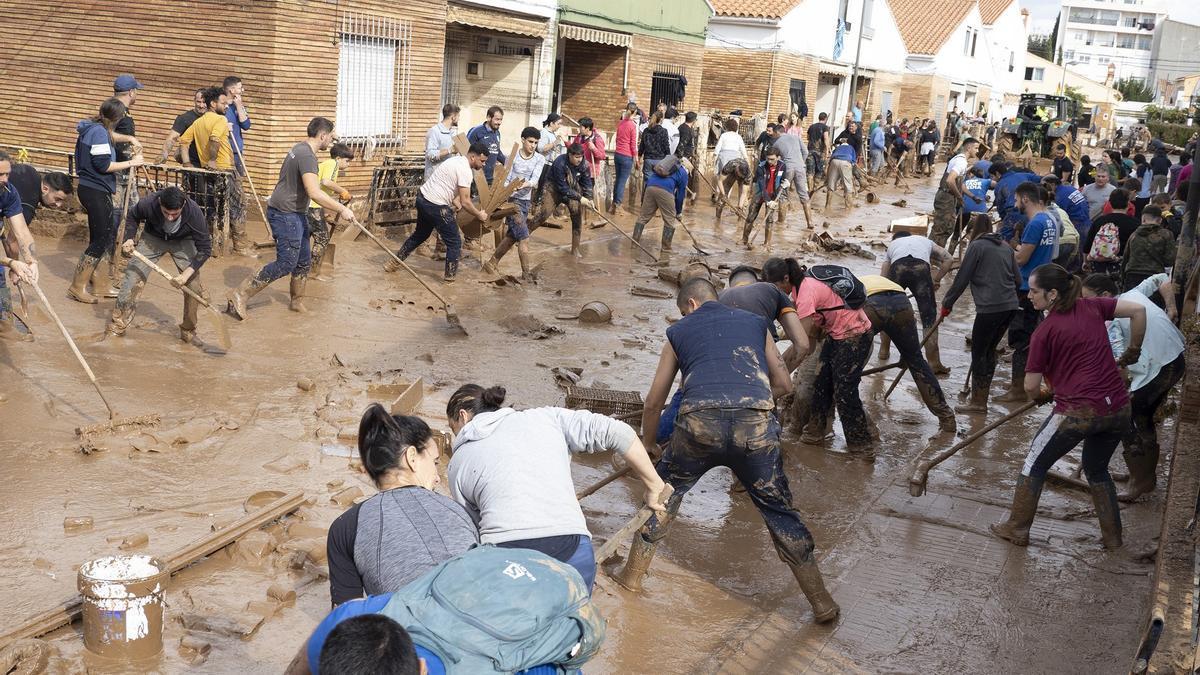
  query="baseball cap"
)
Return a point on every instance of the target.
[{"x": 126, "y": 82}]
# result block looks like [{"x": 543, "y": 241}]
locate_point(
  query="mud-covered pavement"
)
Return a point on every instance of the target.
[{"x": 922, "y": 585}]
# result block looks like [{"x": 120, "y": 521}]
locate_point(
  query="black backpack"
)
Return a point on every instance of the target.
[{"x": 842, "y": 282}]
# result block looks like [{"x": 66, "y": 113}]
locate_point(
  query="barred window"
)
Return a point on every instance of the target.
[{"x": 373, "y": 80}]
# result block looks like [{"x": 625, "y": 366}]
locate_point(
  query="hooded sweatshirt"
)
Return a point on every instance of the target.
[
  {"x": 990, "y": 266},
  {"x": 93, "y": 153},
  {"x": 1151, "y": 250},
  {"x": 512, "y": 469}
]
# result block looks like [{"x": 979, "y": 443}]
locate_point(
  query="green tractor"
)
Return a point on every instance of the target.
[{"x": 1042, "y": 122}]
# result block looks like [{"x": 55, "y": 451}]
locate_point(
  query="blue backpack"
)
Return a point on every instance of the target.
[{"x": 501, "y": 610}]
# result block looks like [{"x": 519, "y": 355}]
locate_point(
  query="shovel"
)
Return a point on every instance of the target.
[
  {"x": 920, "y": 475},
  {"x": 113, "y": 421},
  {"x": 966, "y": 390},
  {"x": 217, "y": 319},
  {"x": 451, "y": 315},
  {"x": 623, "y": 234}
]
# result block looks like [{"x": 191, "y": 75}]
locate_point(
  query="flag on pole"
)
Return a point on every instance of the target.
[{"x": 839, "y": 38}]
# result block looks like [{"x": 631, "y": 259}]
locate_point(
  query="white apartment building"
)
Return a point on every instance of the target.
[{"x": 1092, "y": 34}]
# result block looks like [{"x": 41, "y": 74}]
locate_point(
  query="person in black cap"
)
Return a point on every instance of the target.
[{"x": 126, "y": 145}]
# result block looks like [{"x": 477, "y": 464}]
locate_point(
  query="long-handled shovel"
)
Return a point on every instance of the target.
[
  {"x": 623, "y": 234},
  {"x": 920, "y": 475},
  {"x": 720, "y": 196},
  {"x": 451, "y": 315},
  {"x": 904, "y": 369},
  {"x": 254, "y": 193},
  {"x": 610, "y": 546},
  {"x": 966, "y": 390},
  {"x": 113, "y": 421},
  {"x": 217, "y": 319}
]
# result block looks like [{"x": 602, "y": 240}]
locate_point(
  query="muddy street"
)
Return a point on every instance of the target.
[{"x": 923, "y": 586}]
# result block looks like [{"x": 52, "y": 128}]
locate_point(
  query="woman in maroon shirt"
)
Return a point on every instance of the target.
[{"x": 1071, "y": 363}]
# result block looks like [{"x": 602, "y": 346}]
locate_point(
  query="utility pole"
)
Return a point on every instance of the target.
[{"x": 862, "y": 18}]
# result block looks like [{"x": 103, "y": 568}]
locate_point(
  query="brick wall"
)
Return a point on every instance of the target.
[
  {"x": 735, "y": 78},
  {"x": 648, "y": 54},
  {"x": 592, "y": 79},
  {"x": 920, "y": 97},
  {"x": 789, "y": 66}
]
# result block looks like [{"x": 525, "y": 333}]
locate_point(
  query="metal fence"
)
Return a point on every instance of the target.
[{"x": 394, "y": 188}]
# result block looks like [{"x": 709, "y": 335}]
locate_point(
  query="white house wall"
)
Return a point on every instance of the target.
[
  {"x": 727, "y": 33},
  {"x": 811, "y": 28},
  {"x": 541, "y": 8},
  {"x": 952, "y": 64}
]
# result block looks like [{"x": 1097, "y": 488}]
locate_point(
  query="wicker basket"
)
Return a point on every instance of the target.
[{"x": 624, "y": 405}]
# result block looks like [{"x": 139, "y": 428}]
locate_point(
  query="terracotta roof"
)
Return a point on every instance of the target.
[
  {"x": 925, "y": 25},
  {"x": 756, "y": 9},
  {"x": 991, "y": 10}
]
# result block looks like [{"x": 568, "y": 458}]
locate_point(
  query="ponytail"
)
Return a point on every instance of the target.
[
  {"x": 776, "y": 270},
  {"x": 1051, "y": 277},
  {"x": 475, "y": 400},
  {"x": 111, "y": 112},
  {"x": 383, "y": 438}
]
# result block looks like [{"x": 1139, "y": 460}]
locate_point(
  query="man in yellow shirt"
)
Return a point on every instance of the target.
[
  {"x": 327, "y": 173},
  {"x": 892, "y": 314},
  {"x": 211, "y": 135}
]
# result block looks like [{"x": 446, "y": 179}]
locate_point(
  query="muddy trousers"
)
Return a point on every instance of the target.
[
  {"x": 182, "y": 252},
  {"x": 1141, "y": 438},
  {"x": 319, "y": 227},
  {"x": 1020, "y": 332},
  {"x": 1060, "y": 433},
  {"x": 293, "y": 254},
  {"x": 986, "y": 333},
  {"x": 945, "y": 216},
  {"x": 657, "y": 200},
  {"x": 98, "y": 204},
  {"x": 915, "y": 275},
  {"x": 837, "y": 382},
  {"x": 550, "y": 201},
  {"x": 432, "y": 217},
  {"x": 746, "y": 441},
  {"x": 892, "y": 314}
]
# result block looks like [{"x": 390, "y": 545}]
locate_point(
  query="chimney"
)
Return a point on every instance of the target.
[{"x": 1025, "y": 18}]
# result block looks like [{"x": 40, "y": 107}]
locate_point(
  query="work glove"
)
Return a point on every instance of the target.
[
  {"x": 1130, "y": 356},
  {"x": 945, "y": 312},
  {"x": 587, "y": 202},
  {"x": 345, "y": 196},
  {"x": 1043, "y": 397}
]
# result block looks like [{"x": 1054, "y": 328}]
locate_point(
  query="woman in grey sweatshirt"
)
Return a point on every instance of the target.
[
  {"x": 512, "y": 471},
  {"x": 990, "y": 267}
]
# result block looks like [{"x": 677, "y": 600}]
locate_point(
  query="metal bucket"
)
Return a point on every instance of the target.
[
  {"x": 595, "y": 312},
  {"x": 123, "y": 605}
]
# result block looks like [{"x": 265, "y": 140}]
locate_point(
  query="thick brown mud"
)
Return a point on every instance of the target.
[{"x": 922, "y": 585}]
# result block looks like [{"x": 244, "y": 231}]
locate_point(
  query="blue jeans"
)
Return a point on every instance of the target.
[
  {"x": 624, "y": 165},
  {"x": 292, "y": 252},
  {"x": 584, "y": 561},
  {"x": 746, "y": 441},
  {"x": 432, "y": 217},
  {"x": 582, "y": 557}
]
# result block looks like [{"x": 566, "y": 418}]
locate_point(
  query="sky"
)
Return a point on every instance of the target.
[{"x": 1043, "y": 12}]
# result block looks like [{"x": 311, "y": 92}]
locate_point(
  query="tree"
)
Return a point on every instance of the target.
[
  {"x": 1076, "y": 95},
  {"x": 1134, "y": 89},
  {"x": 1041, "y": 45}
]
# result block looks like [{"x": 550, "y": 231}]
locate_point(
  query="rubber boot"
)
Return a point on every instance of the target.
[
  {"x": 83, "y": 273},
  {"x": 8, "y": 327},
  {"x": 933, "y": 354},
  {"x": 102, "y": 283},
  {"x": 1143, "y": 470},
  {"x": 641, "y": 553},
  {"x": 1024, "y": 508},
  {"x": 242, "y": 294},
  {"x": 885, "y": 347},
  {"x": 1016, "y": 392},
  {"x": 668, "y": 234},
  {"x": 391, "y": 265},
  {"x": 638, "y": 228},
  {"x": 977, "y": 403},
  {"x": 296, "y": 304},
  {"x": 1104, "y": 498},
  {"x": 947, "y": 424},
  {"x": 576, "y": 237},
  {"x": 451, "y": 271},
  {"x": 809, "y": 577}
]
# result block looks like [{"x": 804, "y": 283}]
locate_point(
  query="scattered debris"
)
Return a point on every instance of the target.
[
  {"x": 647, "y": 292},
  {"x": 346, "y": 497},
  {"x": 527, "y": 326},
  {"x": 134, "y": 541},
  {"x": 286, "y": 464},
  {"x": 902, "y": 203},
  {"x": 305, "y": 384},
  {"x": 565, "y": 376},
  {"x": 77, "y": 524}
]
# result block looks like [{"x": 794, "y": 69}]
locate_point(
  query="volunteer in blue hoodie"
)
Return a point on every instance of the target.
[
  {"x": 512, "y": 471},
  {"x": 665, "y": 195},
  {"x": 96, "y": 162},
  {"x": 488, "y": 133},
  {"x": 769, "y": 185}
]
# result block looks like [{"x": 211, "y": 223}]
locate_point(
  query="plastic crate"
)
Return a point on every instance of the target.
[{"x": 624, "y": 405}]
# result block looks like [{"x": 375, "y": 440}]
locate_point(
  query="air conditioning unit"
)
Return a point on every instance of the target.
[{"x": 474, "y": 70}]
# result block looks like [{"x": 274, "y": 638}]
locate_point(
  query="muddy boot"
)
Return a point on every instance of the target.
[
  {"x": 933, "y": 354},
  {"x": 1015, "y": 394},
  {"x": 83, "y": 273},
  {"x": 1104, "y": 498},
  {"x": 612, "y": 208},
  {"x": 391, "y": 265},
  {"x": 1024, "y": 508},
  {"x": 638, "y": 228},
  {"x": 119, "y": 321},
  {"x": 8, "y": 327},
  {"x": 296, "y": 304},
  {"x": 977, "y": 403},
  {"x": 187, "y": 335},
  {"x": 489, "y": 267},
  {"x": 885, "y": 347},
  {"x": 240, "y": 296},
  {"x": 451, "y": 271},
  {"x": 1143, "y": 469},
  {"x": 668, "y": 234},
  {"x": 575, "y": 239},
  {"x": 947, "y": 424},
  {"x": 641, "y": 552},
  {"x": 102, "y": 283},
  {"x": 809, "y": 577}
]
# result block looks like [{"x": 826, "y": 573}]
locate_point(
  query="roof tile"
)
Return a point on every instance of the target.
[
  {"x": 925, "y": 25},
  {"x": 756, "y": 9},
  {"x": 991, "y": 10}
]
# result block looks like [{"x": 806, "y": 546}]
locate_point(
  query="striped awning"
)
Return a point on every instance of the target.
[
  {"x": 831, "y": 68},
  {"x": 604, "y": 37},
  {"x": 498, "y": 21}
]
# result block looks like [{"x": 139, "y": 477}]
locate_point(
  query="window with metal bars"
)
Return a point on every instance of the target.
[
  {"x": 373, "y": 80},
  {"x": 667, "y": 86}
]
